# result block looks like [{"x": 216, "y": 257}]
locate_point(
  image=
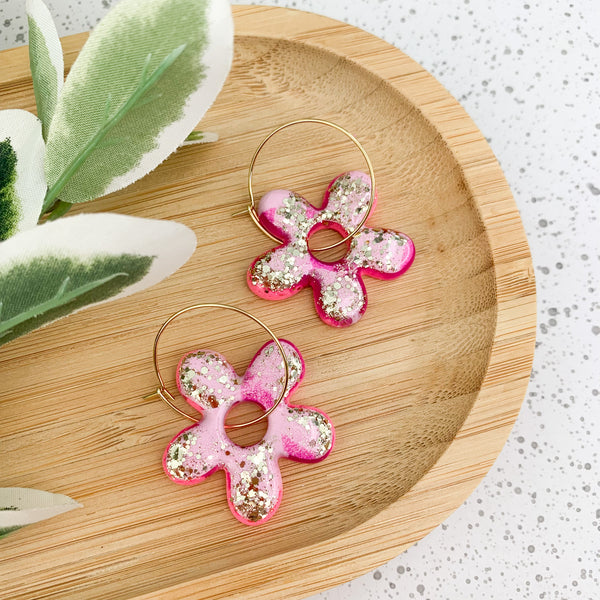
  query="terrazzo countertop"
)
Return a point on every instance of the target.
[{"x": 527, "y": 72}]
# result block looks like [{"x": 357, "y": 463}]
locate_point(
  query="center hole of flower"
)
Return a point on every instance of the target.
[
  {"x": 242, "y": 413},
  {"x": 323, "y": 238}
]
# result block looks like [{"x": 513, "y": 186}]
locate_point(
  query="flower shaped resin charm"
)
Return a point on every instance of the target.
[
  {"x": 340, "y": 295},
  {"x": 210, "y": 384}
]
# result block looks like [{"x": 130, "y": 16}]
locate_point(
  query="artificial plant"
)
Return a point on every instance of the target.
[{"x": 142, "y": 81}]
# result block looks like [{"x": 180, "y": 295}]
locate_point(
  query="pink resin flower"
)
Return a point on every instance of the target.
[
  {"x": 211, "y": 385},
  {"x": 339, "y": 291}
]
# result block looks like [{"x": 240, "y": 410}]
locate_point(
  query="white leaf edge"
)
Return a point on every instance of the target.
[
  {"x": 88, "y": 236},
  {"x": 217, "y": 60},
  {"x": 39, "y": 12},
  {"x": 32, "y": 506},
  {"x": 24, "y": 130}
]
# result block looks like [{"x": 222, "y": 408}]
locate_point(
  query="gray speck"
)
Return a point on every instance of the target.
[{"x": 593, "y": 189}]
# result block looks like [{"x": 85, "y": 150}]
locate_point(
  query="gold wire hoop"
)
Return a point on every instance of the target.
[
  {"x": 164, "y": 394},
  {"x": 252, "y": 205}
]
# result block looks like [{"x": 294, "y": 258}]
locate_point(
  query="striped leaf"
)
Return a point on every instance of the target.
[
  {"x": 63, "y": 266},
  {"x": 24, "y": 506},
  {"x": 200, "y": 137},
  {"x": 143, "y": 80},
  {"x": 45, "y": 60}
]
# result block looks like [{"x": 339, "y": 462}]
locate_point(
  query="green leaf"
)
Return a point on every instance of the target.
[
  {"x": 22, "y": 180},
  {"x": 143, "y": 80},
  {"x": 33, "y": 291},
  {"x": 9, "y": 205},
  {"x": 98, "y": 142},
  {"x": 4, "y": 531},
  {"x": 59, "y": 209},
  {"x": 200, "y": 137},
  {"x": 137, "y": 266},
  {"x": 63, "y": 266},
  {"x": 45, "y": 60},
  {"x": 24, "y": 506}
]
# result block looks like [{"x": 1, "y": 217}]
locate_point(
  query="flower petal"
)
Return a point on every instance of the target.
[
  {"x": 286, "y": 215},
  {"x": 347, "y": 199},
  {"x": 383, "y": 253},
  {"x": 254, "y": 488},
  {"x": 264, "y": 377},
  {"x": 279, "y": 273},
  {"x": 206, "y": 380},
  {"x": 193, "y": 454},
  {"x": 342, "y": 297},
  {"x": 307, "y": 434}
]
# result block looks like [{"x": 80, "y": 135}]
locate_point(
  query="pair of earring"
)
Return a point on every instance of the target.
[{"x": 211, "y": 385}]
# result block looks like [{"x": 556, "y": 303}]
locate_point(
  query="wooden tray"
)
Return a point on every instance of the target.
[{"x": 423, "y": 391}]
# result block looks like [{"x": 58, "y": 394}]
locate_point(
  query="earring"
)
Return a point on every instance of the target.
[
  {"x": 212, "y": 387},
  {"x": 288, "y": 219}
]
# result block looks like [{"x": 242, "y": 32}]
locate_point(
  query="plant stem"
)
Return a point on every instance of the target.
[{"x": 59, "y": 209}]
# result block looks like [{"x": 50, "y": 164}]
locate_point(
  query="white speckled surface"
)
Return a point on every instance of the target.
[{"x": 528, "y": 73}]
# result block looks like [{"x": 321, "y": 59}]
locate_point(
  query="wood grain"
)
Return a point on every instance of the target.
[{"x": 423, "y": 390}]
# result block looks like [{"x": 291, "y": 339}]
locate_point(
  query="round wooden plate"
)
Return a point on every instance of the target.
[{"x": 423, "y": 390}]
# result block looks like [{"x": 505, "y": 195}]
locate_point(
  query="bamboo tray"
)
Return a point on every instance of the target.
[{"x": 423, "y": 390}]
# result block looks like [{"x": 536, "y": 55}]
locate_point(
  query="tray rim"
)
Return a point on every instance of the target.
[{"x": 319, "y": 566}]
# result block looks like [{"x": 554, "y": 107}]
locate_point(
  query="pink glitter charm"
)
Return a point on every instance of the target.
[
  {"x": 211, "y": 385},
  {"x": 339, "y": 291}
]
